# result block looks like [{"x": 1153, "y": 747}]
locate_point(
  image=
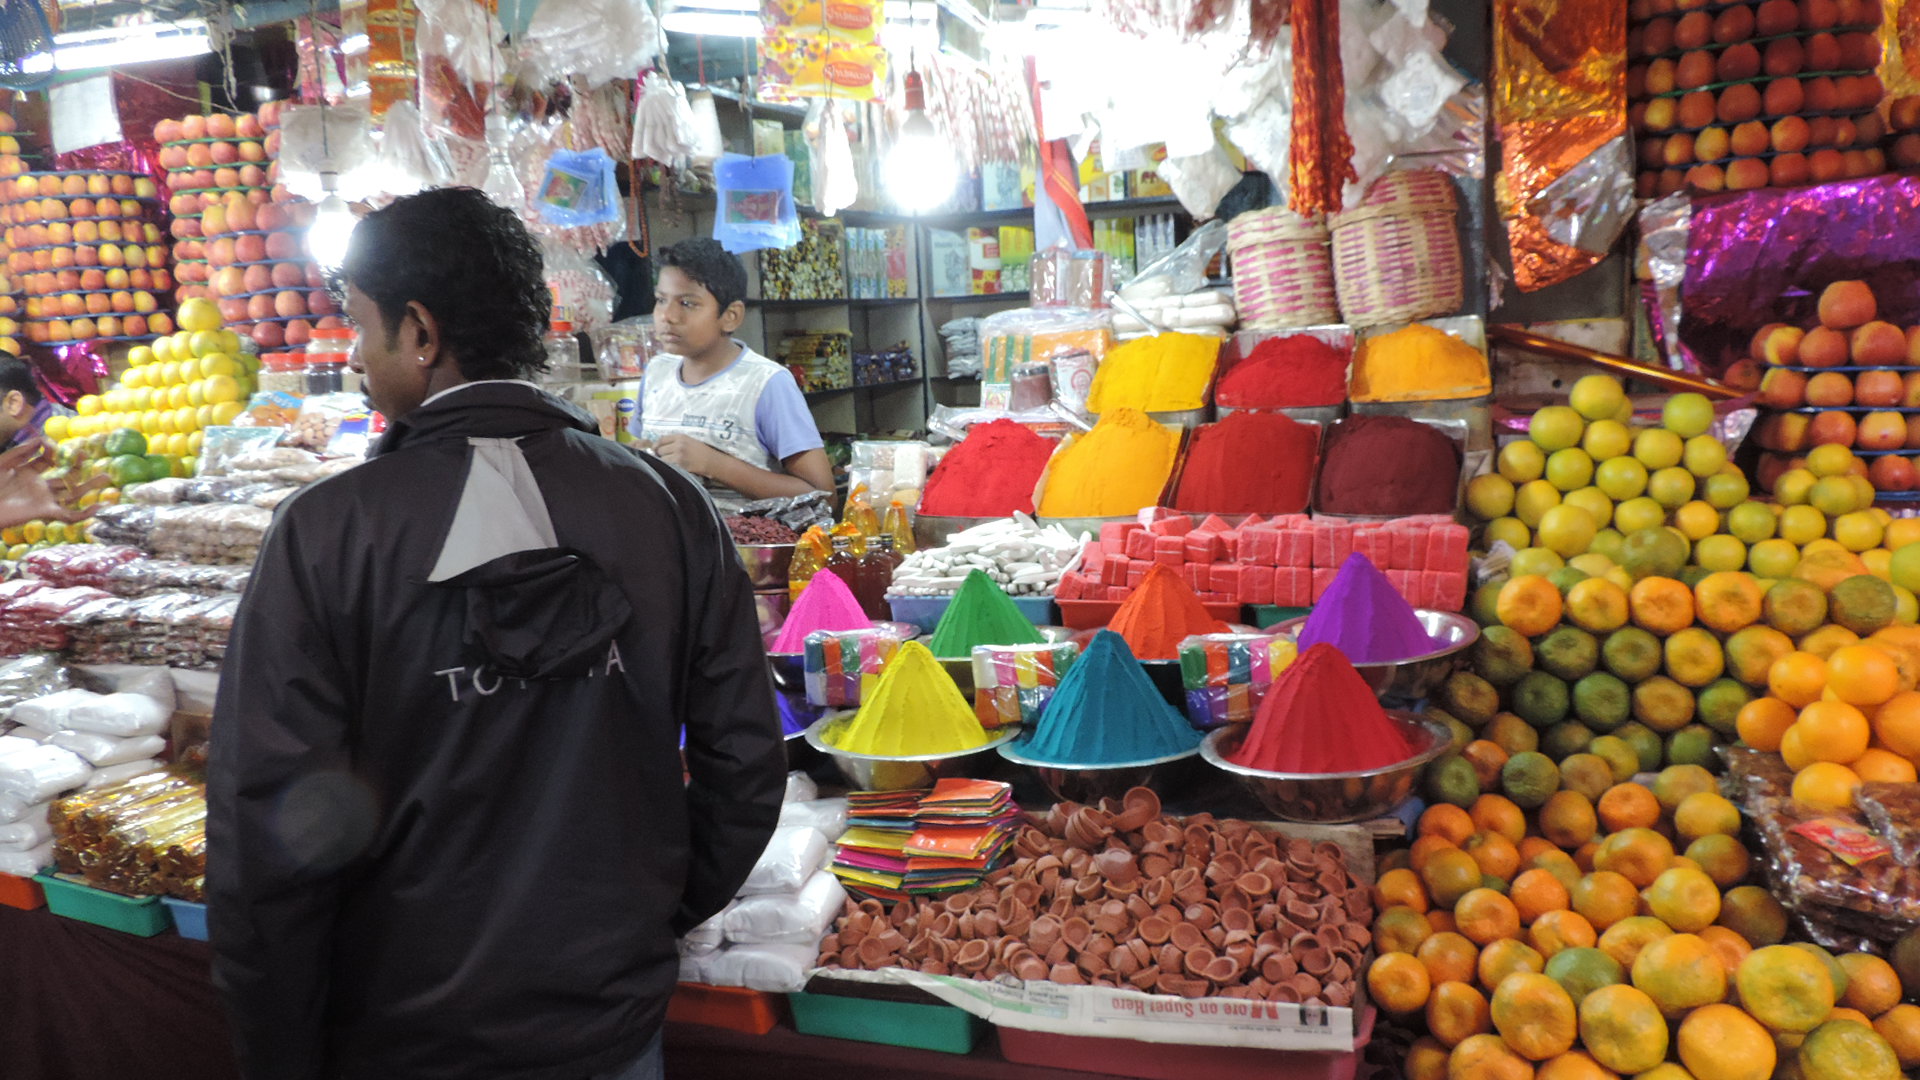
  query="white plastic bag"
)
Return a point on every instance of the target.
[
  {"x": 39, "y": 774},
  {"x": 148, "y": 679},
  {"x": 28, "y": 832},
  {"x": 27, "y": 863},
  {"x": 662, "y": 122},
  {"x": 693, "y": 966},
  {"x": 409, "y": 162},
  {"x": 49, "y": 714},
  {"x": 120, "y": 715},
  {"x": 114, "y": 774},
  {"x": 790, "y": 859},
  {"x": 773, "y": 969},
  {"x": 104, "y": 750},
  {"x": 800, "y": 788},
  {"x": 12, "y": 809},
  {"x": 596, "y": 41},
  {"x": 780, "y": 919},
  {"x": 828, "y": 817},
  {"x": 708, "y": 935}
]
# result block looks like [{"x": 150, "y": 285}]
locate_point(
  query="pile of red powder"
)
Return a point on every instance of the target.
[
  {"x": 991, "y": 473},
  {"x": 1249, "y": 463},
  {"x": 1321, "y": 717},
  {"x": 1387, "y": 466},
  {"x": 1295, "y": 372}
]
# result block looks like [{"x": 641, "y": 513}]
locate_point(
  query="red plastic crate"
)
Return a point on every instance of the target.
[
  {"x": 1181, "y": 1061},
  {"x": 23, "y": 893},
  {"x": 733, "y": 1008}
]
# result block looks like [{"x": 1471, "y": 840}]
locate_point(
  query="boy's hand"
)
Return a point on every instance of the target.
[{"x": 690, "y": 454}]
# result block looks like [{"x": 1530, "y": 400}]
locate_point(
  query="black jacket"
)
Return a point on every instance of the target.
[{"x": 447, "y": 833}]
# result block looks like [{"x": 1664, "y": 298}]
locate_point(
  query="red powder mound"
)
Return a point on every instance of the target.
[
  {"x": 1387, "y": 466},
  {"x": 1161, "y": 614},
  {"x": 1296, "y": 372},
  {"x": 1249, "y": 463},
  {"x": 991, "y": 473},
  {"x": 1321, "y": 717}
]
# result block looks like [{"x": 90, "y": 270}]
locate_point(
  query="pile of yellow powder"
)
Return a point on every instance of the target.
[
  {"x": 1118, "y": 468},
  {"x": 1418, "y": 363}
]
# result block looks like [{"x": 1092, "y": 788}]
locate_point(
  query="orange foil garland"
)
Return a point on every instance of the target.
[
  {"x": 1320, "y": 156},
  {"x": 1560, "y": 94}
]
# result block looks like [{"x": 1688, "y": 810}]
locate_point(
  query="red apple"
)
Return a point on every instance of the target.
[
  {"x": 269, "y": 335},
  {"x": 248, "y": 126},
  {"x": 1832, "y": 427},
  {"x": 166, "y": 131},
  {"x": 1881, "y": 431},
  {"x": 254, "y": 248},
  {"x": 1892, "y": 473},
  {"x": 320, "y": 302},
  {"x": 280, "y": 245},
  {"x": 299, "y": 332},
  {"x": 288, "y": 275},
  {"x": 223, "y": 153},
  {"x": 134, "y": 326},
  {"x": 232, "y": 311},
  {"x": 259, "y": 278}
]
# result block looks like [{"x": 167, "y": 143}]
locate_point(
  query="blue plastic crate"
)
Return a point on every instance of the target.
[
  {"x": 189, "y": 918},
  {"x": 925, "y": 611}
]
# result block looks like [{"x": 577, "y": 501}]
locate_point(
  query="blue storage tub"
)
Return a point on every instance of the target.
[
  {"x": 189, "y": 918},
  {"x": 925, "y": 611}
]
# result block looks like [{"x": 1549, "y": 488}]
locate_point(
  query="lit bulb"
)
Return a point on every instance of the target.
[
  {"x": 919, "y": 168},
  {"x": 332, "y": 229}
]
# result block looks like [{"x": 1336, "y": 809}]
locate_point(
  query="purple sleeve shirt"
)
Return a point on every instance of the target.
[{"x": 782, "y": 421}]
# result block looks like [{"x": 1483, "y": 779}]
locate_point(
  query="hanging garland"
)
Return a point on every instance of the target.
[{"x": 1321, "y": 154}]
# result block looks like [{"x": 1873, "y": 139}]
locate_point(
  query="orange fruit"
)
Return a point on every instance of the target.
[
  {"x": 1666, "y": 1070},
  {"x": 1423, "y": 848},
  {"x": 1833, "y": 731},
  {"x": 1900, "y": 1026},
  {"x": 1827, "y": 785},
  {"x": 1534, "y": 1015},
  {"x": 1448, "y": 957},
  {"x": 1499, "y": 814},
  {"x": 1558, "y": 930},
  {"x": 1676, "y": 782},
  {"x": 1628, "y": 806},
  {"x": 1448, "y": 820},
  {"x": 1536, "y": 892},
  {"x": 1873, "y": 986},
  {"x": 1426, "y": 1060},
  {"x": 1559, "y": 864},
  {"x": 1719, "y": 1042},
  {"x": 1684, "y": 898},
  {"x": 1730, "y": 948},
  {"x": 1793, "y": 751},
  {"x": 1400, "y": 888},
  {"x": 1763, "y": 720},
  {"x": 1727, "y": 601},
  {"x": 1624, "y": 939},
  {"x": 1752, "y": 651},
  {"x": 1574, "y": 1065},
  {"x": 1797, "y": 679},
  {"x": 1680, "y": 972},
  {"x": 1623, "y": 1029},
  {"x": 1400, "y": 929},
  {"x": 1399, "y": 983},
  {"x": 1637, "y": 854},
  {"x": 1529, "y": 604},
  {"x": 1897, "y": 724},
  {"x": 1449, "y": 875},
  {"x": 1884, "y": 766},
  {"x": 1442, "y": 922},
  {"x": 1487, "y": 1057},
  {"x": 1583, "y": 856},
  {"x": 1567, "y": 819},
  {"x": 1723, "y": 857},
  {"x": 1847, "y": 1050},
  {"x": 1605, "y": 898},
  {"x": 1755, "y": 915},
  {"x": 1862, "y": 675},
  {"x": 1842, "y": 1013},
  {"x": 1785, "y": 988},
  {"x": 1487, "y": 758},
  {"x": 1661, "y": 606},
  {"x": 1497, "y": 855},
  {"x": 1706, "y": 813},
  {"x": 1484, "y": 917},
  {"x": 1455, "y": 1011},
  {"x": 1535, "y": 846},
  {"x": 1506, "y": 957}
]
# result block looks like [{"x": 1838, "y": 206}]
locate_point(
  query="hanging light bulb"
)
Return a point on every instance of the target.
[
  {"x": 332, "y": 226},
  {"x": 919, "y": 168}
]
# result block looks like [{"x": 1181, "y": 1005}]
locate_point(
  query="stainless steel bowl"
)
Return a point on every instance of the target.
[
  {"x": 767, "y": 564},
  {"x": 1330, "y": 798},
  {"x": 1091, "y": 783},
  {"x": 873, "y": 772},
  {"x": 789, "y": 674},
  {"x": 1416, "y": 676},
  {"x": 932, "y": 532}
]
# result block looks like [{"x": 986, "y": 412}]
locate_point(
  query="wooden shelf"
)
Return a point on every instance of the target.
[
  {"x": 973, "y": 298},
  {"x": 861, "y": 302},
  {"x": 814, "y": 395}
]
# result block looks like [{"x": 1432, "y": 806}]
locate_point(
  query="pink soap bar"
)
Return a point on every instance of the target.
[
  {"x": 1172, "y": 526},
  {"x": 1140, "y": 544},
  {"x": 1322, "y": 581},
  {"x": 1115, "y": 532},
  {"x": 1137, "y": 572}
]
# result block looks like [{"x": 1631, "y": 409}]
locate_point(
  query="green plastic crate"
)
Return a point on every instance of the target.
[
  {"x": 893, "y": 1023},
  {"x": 1266, "y": 615},
  {"x": 143, "y": 916}
]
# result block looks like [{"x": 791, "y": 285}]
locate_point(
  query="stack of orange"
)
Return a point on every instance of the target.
[
  {"x": 1579, "y": 944},
  {"x": 1838, "y": 720}
]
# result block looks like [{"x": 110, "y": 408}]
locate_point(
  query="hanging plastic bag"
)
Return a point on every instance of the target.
[
  {"x": 594, "y": 40},
  {"x": 582, "y": 294},
  {"x": 836, "y": 181},
  {"x": 460, "y": 60},
  {"x": 663, "y": 124},
  {"x": 1182, "y": 270},
  {"x": 755, "y": 199},
  {"x": 409, "y": 161},
  {"x": 579, "y": 189},
  {"x": 708, "y": 142}
]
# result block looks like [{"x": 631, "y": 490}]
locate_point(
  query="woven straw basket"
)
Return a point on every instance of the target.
[
  {"x": 1396, "y": 256},
  {"x": 1282, "y": 270}
]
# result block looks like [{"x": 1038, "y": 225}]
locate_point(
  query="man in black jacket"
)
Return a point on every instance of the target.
[{"x": 448, "y": 835}]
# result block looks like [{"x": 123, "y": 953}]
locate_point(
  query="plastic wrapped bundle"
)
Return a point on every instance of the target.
[
  {"x": 145, "y": 837},
  {"x": 840, "y": 664},
  {"x": 38, "y": 773},
  {"x": 1013, "y": 683},
  {"x": 30, "y": 677},
  {"x": 72, "y": 565},
  {"x": 1226, "y": 675}
]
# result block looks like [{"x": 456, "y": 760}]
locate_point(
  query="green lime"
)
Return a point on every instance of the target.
[
  {"x": 1587, "y": 773},
  {"x": 1470, "y": 697},
  {"x": 1529, "y": 778},
  {"x": 1720, "y": 703},
  {"x": 1541, "y": 699},
  {"x": 1502, "y": 655},
  {"x": 1602, "y": 701},
  {"x": 1568, "y": 653},
  {"x": 1451, "y": 780},
  {"x": 1565, "y": 739},
  {"x": 1632, "y": 653},
  {"x": 1646, "y": 745},
  {"x": 124, "y": 441}
]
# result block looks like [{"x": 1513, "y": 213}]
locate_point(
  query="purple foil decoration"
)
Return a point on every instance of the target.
[{"x": 1763, "y": 256}]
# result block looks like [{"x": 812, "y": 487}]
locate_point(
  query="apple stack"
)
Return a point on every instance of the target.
[
  {"x": 1776, "y": 93},
  {"x": 1903, "y": 140},
  {"x": 1852, "y": 379},
  {"x": 12, "y": 163},
  {"x": 241, "y": 235},
  {"x": 86, "y": 248}
]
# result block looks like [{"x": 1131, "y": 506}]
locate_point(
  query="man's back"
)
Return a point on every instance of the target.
[{"x": 449, "y": 827}]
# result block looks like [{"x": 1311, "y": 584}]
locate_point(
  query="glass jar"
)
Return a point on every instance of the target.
[
  {"x": 563, "y": 353},
  {"x": 326, "y": 360},
  {"x": 283, "y": 373}
]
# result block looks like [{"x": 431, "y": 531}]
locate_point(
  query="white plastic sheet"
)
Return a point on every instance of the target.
[
  {"x": 791, "y": 857},
  {"x": 781, "y": 919}
]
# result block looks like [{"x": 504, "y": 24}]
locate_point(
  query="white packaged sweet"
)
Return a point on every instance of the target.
[
  {"x": 27, "y": 863},
  {"x": 800, "y": 788},
  {"x": 120, "y": 715},
  {"x": 103, "y": 750},
  {"x": 828, "y": 817},
  {"x": 12, "y": 809},
  {"x": 50, "y": 713},
  {"x": 780, "y": 919},
  {"x": 708, "y": 935},
  {"x": 38, "y": 774},
  {"x": 773, "y": 969},
  {"x": 114, "y": 774},
  {"x": 28, "y": 832},
  {"x": 791, "y": 857}
]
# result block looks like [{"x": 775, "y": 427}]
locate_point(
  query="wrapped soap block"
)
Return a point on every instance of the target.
[
  {"x": 1012, "y": 683},
  {"x": 1227, "y": 675},
  {"x": 840, "y": 664}
]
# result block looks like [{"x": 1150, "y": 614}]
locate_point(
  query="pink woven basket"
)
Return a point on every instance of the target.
[
  {"x": 1396, "y": 256},
  {"x": 1282, "y": 270}
]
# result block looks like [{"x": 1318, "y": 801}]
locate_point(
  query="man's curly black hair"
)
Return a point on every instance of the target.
[
  {"x": 709, "y": 265},
  {"x": 470, "y": 262}
]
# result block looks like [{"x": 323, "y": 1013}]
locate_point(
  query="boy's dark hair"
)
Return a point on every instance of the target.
[
  {"x": 467, "y": 260},
  {"x": 711, "y": 265},
  {"x": 17, "y": 374}
]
